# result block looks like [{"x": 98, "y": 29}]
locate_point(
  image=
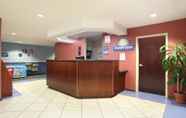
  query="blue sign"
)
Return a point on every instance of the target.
[
  {"x": 105, "y": 50},
  {"x": 123, "y": 48}
]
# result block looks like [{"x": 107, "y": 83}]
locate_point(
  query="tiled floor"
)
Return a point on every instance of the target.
[{"x": 32, "y": 99}]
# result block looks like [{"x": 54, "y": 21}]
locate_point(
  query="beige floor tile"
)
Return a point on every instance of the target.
[
  {"x": 59, "y": 101},
  {"x": 91, "y": 110},
  {"x": 37, "y": 107},
  {"x": 54, "y": 114},
  {"x": 36, "y": 100},
  {"x": 54, "y": 107},
  {"x": 9, "y": 114},
  {"x": 71, "y": 113},
  {"x": 42, "y": 100},
  {"x": 29, "y": 114},
  {"x": 14, "y": 107},
  {"x": 110, "y": 111}
]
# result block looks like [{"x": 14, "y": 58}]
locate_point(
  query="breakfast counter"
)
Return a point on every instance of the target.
[{"x": 86, "y": 79}]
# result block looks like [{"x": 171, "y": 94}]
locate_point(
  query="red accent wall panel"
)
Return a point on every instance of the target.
[
  {"x": 176, "y": 32},
  {"x": 65, "y": 51}
]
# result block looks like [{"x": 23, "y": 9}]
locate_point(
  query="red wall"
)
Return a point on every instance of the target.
[
  {"x": 123, "y": 65},
  {"x": 65, "y": 51},
  {"x": 176, "y": 32}
]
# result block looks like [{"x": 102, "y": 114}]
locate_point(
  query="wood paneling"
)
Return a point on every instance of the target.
[
  {"x": 119, "y": 83},
  {"x": 95, "y": 78},
  {"x": 0, "y": 65},
  {"x": 85, "y": 79},
  {"x": 62, "y": 76},
  {"x": 6, "y": 82}
]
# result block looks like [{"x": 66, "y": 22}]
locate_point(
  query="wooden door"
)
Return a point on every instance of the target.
[{"x": 151, "y": 74}]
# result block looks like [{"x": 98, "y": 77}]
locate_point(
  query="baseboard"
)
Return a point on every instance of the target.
[{"x": 129, "y": 89}]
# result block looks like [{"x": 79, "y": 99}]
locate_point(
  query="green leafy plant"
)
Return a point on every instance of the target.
[{"x": 174, "y": 62}]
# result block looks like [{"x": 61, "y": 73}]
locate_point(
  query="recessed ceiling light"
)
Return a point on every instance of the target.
[
  {"x": 13, "y": 33},
  {"x": 40, "y": 15},
  {"x": 153, "y": 15},
  {"x": 64, "y": 40}
]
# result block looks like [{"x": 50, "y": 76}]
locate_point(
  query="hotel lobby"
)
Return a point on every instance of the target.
[{"x": 93, "y": 59}]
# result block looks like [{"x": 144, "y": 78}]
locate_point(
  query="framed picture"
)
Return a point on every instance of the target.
[
  {"x": 4, "y": 54},
  {"x": 79, "y": 51}
]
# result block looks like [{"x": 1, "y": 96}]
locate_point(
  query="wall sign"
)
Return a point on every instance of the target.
[
  {"x": 122, "y": 56},
  {"x": 123, "y": 48},
  {"x": 105, "y": 50},
  {"x": 29, "y": 52},
  {"x": 4, "y": 54},
  {"x": 107, "y": 39}
]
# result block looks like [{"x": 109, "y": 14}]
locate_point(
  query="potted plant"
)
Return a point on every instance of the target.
[{"x": 174, "y": 62}]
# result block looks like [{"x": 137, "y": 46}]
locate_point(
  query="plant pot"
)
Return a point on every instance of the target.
[{"x": 180, "y": 98}]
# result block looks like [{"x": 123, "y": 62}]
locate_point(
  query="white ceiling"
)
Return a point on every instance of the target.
[{"x": 61, "y": 16}]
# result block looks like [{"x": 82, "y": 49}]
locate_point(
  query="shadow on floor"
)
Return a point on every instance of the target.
[
  {"x": 30, "y": 78},
  {"x": 172, "y": 110}
]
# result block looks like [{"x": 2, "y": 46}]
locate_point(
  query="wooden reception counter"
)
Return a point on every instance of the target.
[{"x": 85, "y": 79}]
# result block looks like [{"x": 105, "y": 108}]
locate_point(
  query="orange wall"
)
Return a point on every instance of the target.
[
  {"x": 176, "y": 32},
  {"x": 65, "y": 51}
]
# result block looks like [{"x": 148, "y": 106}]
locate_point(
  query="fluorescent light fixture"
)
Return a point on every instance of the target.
[
  {"x": 123, "y": 42},
  {"x": 13, "y": 33},
  {"x": 40, "y": 15},
  {"x": 19, "y": 42},
  {"x": 153, "y": 15},
  {"x": 64, "y": 40}
]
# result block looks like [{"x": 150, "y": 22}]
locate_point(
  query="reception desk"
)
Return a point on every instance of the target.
[{"x": 86, "y": 79}]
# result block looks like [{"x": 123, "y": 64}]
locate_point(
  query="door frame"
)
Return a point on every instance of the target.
[{"x": 137, "y": 59}]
